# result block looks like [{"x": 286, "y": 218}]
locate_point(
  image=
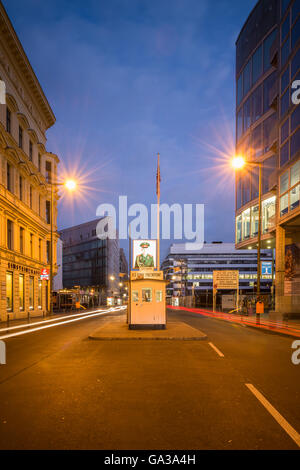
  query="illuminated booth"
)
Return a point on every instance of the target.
[{"x": 147, "y": 289}]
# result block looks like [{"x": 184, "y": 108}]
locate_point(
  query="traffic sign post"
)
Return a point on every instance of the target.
[{"x": 225, "y": 280}]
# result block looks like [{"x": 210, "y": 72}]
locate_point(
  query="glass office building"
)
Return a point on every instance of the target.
[{"x": 268, "y": 131}]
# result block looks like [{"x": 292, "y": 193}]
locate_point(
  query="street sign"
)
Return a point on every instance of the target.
[
  {"x": 45, "y": 275},
  {"x": 225, "y": 279},
  {"x": 266, "y": 267}
]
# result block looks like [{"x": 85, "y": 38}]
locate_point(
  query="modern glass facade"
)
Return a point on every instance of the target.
[{"x": 267, "y": 122}]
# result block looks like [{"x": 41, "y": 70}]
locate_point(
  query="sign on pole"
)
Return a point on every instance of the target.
[
  {"x": 266, "y": 267},
  {"x": 226, "y": 279}
]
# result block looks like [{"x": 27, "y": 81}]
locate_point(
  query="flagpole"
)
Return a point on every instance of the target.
[{"x": 158, "y": 218}]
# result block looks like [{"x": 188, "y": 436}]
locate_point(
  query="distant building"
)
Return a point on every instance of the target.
[
  {"x": 58, "y": 279},
  {"x": 123, "y": 267},
  {"x": 192, "y": 271},
  {"x": 89, "y": 262}
]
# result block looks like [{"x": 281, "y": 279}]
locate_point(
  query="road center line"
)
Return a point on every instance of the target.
[
  {"x": 33, "y": 330},
  {"x": 276, "y": 415},
  {"x": 216, "y": 349}
]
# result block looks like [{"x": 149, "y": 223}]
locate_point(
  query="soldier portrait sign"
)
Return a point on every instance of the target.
[{"x": 144, "y": 254}]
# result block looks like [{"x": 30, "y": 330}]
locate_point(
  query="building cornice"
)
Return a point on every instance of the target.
[{"x": 15, "y": 48}]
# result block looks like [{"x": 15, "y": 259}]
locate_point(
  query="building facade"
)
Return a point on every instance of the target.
[
  {"x": 268, "y": 131},
  {"x": 90, "y": 263},
  {"x": 26, "y": 169},
  {"x": 191, "y": 273}
]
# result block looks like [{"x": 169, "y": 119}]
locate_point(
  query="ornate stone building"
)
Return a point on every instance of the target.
[{"x": 26, "y": 171}]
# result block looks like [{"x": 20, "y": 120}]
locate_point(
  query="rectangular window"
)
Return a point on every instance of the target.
[
  {"x": 295, "y": 143},
  {"x": 247, "y": 77},
  {"x": 20, "y": 137},
  {"x": 8, "y": 177},
  {"x": 159, "y": 296},
  {"x": 240, "y": 89},
  {"x": 40, "y": 290},
  {"x": 9, "y": 291},
  {"x": 31, "y": 245},
  {"x": 285, "y": 28},
  {"x": 246, "y": 224},
  {"x": 21, "y": 240},
  {"x": 48, "y": 172},
  {"x": 284, "y": 131},
  {"x": 285, "y": 79},
  {"x": 48, "y": 212},
  {"x": 268, "y": 214},
  {"x": 295, "y": 33},
  {"x": 30, "y": 197},
  {"x": 40, "y": 249},
  {"x": 295, "y": 64},
  {"x": 284, "y": 182},
  {"x": 30, "y": 150},
  {"x": 284, "y": 203},
  {"x": 257, "y": 103},
  {"x": 285, "y": 51},
  {"x": 31, "y": 292},
  {"x": 247, "y": 114},
  {"x": 295, "y": 119},
  {"x": 284, "y": 103},
  {"x": 294, "y": 197},
  {"x": 257, "y": 65},
  {"x": 48, "y": 251},
  {"x": 21, "y": 292},
  {"x": 8, "y": 120},
  {"x": 257, "y": 144},
  {"x": 238, "y": 230},
  {"x": 269, "y": 166},
  {"x": 295, "y": 173},
  {"x": 270, "y": 132},
  {"x": 39, "y": 162},
  {"x": 239, "y": 129},
  {"x": 9, "y": 234},
  {"x": 135, "y": 295},
  {"x": 254, "y": 221},
  {"x": 147, "y": 295},
  {"x": 268, "y": 86},
  {"x": 267, "y": 46},
  {"x": 284, "y": 154}
]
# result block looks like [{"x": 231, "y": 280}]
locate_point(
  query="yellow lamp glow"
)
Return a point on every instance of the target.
[
  {"x": 238, "y": 162},
  {"x": 70, "y": 185}
]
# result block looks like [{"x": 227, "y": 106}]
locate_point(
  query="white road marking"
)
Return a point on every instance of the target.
[
  {"x": 276, "y": 415},
  {"x": 216, "y": 349},
  {"x": 33, "y": 330}
]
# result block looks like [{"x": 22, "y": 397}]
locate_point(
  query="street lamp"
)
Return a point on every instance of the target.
[
  {"x": 239, "y": 163},
  {"x": 70, "y": 185}
]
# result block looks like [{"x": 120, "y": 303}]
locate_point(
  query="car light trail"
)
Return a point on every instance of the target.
[{"x": 82, "y": 317}]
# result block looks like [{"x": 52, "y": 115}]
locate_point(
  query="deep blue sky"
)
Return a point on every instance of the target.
[{"x": 129, "y": 78}]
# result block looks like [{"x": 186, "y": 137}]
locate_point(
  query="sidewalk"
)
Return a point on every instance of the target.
[{"x": 284, "y": 327}]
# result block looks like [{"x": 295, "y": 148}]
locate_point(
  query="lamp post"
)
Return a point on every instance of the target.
[
  {"x": 238, "y": 163},
  {"x": 71, "y": 186}
]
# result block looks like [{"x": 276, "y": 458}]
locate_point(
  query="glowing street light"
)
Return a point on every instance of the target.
[
  {"x": 238, "y": 162},
  {"x": 112, "y": 278}
]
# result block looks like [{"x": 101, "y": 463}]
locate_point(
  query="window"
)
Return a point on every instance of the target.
[
  {"x": 247, "y": 77},
  {"x": 295, "y": 143},
  {"x": 39, "y": 162},
  {"x": 257, "y": 65},
  {"x": 9, "y": 291},
  {"x": 8, "y": 120},
  {"x": 40, "y": 249},
  {"x": 268, "y": 85},
  {"x": 21, "y": 240},
  {"x": 284, "y": 182},
  {"x": 21, "y": 188},
  {"x": 257, "y": 104},
  {"x": 246, "y": 224},
  {"x": 254, "y": 221},
  {"x": 40, "y": 290},
  {"x": 269, "y": 165},
  {"x": 240, "y": 124},
  {"x": 295, "y": 33},
  {"x": 294, "y": 197},
  {"x": 240, "y": 89},
  {"x": 135, "y": 295},
  {"x": 257, "y": 144},
  {"x": 31, "y": 292},
  {"x": 254, "y": 182},
  {"x": 284, "y": 154},
  {"x": 295, "y": 10},
  {"x": 284, "y": 5},
  {"x": 247, "y": 114},
  {"x": 159, "y": 296},
  {"x": 48, "y": 251},
  {"x": 295, "y": 64},
  {"x": 31, "y": 245},
  {"x": 268, "y": 214},
  {"x": 48, "y": 212},
  {"x": 48, "y": 172},
  {"x": 285, "y": 52},
  {"x": 284, "y": 204},
  {"x": 284, "y": 103},
  {"x": 284, "y": 131},
  {"x": 20, "y": 137},
  {"x": 295, "y": 119},
  {"x": 30, "y": 197},
  {"x": 270, "y": 131},
  {"x": 285, "y": 28},
  {"x": 246, "y": 187},
  {"x": 295, "y": 173},
  {"x": 9, "y": 234},
  {"x": 30, "y": 150},
  {"x": 285, "y": 79},
  {"x": 9, "y": 177},
  {"x": 147, "y": 295},
  {"x": 21, "y": 292},
  {"x": 267, "y": 46}
]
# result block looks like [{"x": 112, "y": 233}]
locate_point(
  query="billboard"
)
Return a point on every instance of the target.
[
  {"x": 226, "y": 279},
  {"x": 144, "y": 254},
  {"x": 266, "y": 267}
]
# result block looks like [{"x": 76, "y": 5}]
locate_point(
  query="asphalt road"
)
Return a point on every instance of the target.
[{"x": 60, "y": 390}]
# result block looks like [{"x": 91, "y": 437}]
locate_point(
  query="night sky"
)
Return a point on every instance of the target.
[{"x": 129, "y": 78}]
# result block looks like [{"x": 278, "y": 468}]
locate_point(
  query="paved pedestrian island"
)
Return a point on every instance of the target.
[{"x": 174, "y": 331}]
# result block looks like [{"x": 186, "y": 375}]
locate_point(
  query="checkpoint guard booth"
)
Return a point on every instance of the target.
[{"x": 147, "y": 289}]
